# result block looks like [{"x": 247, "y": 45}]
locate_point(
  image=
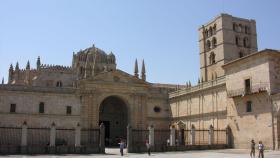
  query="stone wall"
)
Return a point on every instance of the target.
[{"x": 27, "y": 109}]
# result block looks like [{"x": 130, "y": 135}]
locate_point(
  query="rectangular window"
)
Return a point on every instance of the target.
[
  {"x": 41, "y": 107},
  {"x": 13, "y": 108},
  {"x": 249, "y": 106},
  {"x": 68, "y": 110},
  {"x": 247, "y": 85}
]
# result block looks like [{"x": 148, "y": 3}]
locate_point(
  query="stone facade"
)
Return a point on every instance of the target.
[
  {"x": 224, "y": 39},
  {"x": 238, "y": 90},
  {"x": 239, "y": 86},
  {"x": 86, "y": 94}
]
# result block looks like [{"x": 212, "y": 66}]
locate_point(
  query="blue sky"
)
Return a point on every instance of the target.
[{"x": 163, "y": 32}]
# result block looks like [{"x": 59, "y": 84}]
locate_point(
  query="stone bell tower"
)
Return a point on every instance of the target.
[{"x": 222, "y": 40}]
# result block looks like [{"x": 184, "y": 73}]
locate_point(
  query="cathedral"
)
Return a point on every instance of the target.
[{"x": 238, "y": 89}]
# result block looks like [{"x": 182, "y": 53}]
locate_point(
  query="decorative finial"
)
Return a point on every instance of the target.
[
  {"x": 190, "y": 84},
  {"x": 136, "y": 69},
  {"x": 17, "y": 67},
  {"x": 143, "y": 71},
  {"x": 11, "y": 67},
  {"x": 198, "y": 81},
  {"x": 28, "y": 65},
  {"x": 38, "y": 62}
]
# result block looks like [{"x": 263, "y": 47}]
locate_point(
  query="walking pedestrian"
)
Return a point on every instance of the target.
[
  {"x": 148, "y": 145},
  {"x": 252, "y": 153},
  {"x": 261, "y": 149},
  {"x": 122, "y": 146}
]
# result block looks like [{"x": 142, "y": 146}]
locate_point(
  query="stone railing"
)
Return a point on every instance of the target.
[
  {"x": 256, "y": 88},
  {"x": 202, "y": 86}
]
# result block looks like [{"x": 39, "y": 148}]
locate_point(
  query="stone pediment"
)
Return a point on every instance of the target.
[{"x": 117, "y": 76}]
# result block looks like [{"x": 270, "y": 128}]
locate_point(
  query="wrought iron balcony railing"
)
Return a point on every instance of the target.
[{"x": 256, "y": 88}]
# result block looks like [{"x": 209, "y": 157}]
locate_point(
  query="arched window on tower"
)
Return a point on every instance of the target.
[
  {"x": 237, "y": 40},
  {"x": 247, "y": 30},
  {"x": 214, "y": 28},
  {"x": 214, "y": 42},
  {"x": 240, "y": 28},
  {"x": 212, "y": 58},
  {"x": 206, "y": 33},
  {"x": 234, "y": 26},
  {"x": 208, "y": 45},
  {"x": 210, "y": 31},
  {"x": 245, "y": 42}
]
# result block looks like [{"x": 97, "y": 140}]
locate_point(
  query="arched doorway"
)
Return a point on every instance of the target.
[{"x": 113, "y": 113}]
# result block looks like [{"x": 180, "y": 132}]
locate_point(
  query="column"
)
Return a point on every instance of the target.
[
  {"x": 102, "y": 138},
  {"x": 24, "y": 138},
  {"x": 151, "y": 135},
  {"x": 52, "y": 138},
  {"x": 193, "y": 135},
  {"x": 228, "y": 137},
  {"x": 172, "y": 136},
  {"x": 181, "y": 136},
  {"x": 78, "y": 136},
  {"x": 129, "y": 139},
  {"x": 211, "y": 135}
]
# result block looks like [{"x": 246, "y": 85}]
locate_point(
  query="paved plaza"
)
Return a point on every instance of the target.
[{"x": 111, "y": 153}]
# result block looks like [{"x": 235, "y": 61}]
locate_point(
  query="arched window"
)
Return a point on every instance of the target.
[
  {"x": 214, "y": 28},
  {"x": 234, "y": 27},
  {"x": 241, "y": 54},
  {"x": 210, "y": 31},
  {"x": 245, "y": 42},
  {"x": 237, "y": 40},
  {"x": 208, "y": 45},
  {"x": 212, "y": 58},
  {"x": 206, "y": 33},
  {"x": 214, "y": 42},
  {"x": 240, "y": 28},
  {"x": 58, "y": 84},
  {"x": 247, "y": 30}
]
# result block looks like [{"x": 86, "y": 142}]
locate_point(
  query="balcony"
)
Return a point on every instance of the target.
[{"x": 257, "y": 88}]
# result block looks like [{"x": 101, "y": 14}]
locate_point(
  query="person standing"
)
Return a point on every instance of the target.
[
  {"x": 261, "y": 149},
  {"x": 253, "y": 144},
  {"x": 122, "y": 146},
  {"x": 148, "y": 145}
]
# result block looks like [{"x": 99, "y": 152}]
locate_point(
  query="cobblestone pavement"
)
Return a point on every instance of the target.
[{"x": 112, "y": 153}]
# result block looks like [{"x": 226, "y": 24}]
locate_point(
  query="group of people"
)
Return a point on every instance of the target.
[
  {"x": 260, "y": 147},
  {"x": 123, "y": 146}
]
